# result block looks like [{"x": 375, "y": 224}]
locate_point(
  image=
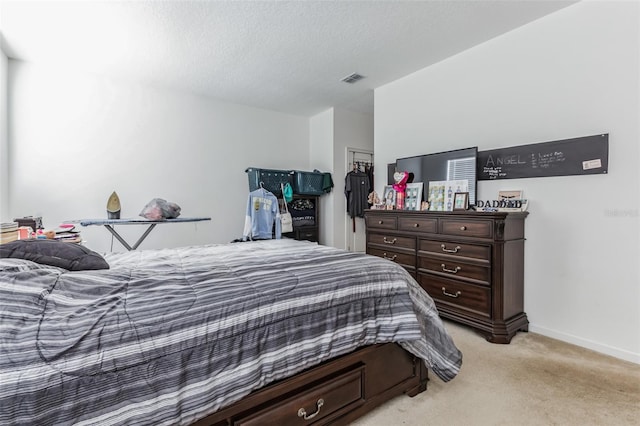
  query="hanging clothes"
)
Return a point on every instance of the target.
[
  {"x": 262, "y": 212},
  {"x": 368, "y": 169},
  {"x": 357, "y": 188},
  {"x": 327, "y": 181}
]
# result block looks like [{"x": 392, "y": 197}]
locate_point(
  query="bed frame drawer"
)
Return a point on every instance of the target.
[
  {"x": 318, "y": 405},
  {"x": 384, "y": 371}
]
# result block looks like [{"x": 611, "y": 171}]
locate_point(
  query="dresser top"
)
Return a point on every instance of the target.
[{"x": 465, "y": 213}]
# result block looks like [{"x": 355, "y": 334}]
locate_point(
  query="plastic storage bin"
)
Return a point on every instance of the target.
[{"x": 308, "y": 183}]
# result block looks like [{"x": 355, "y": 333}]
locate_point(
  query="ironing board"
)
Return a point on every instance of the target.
[{"x": 110, "y": 223}]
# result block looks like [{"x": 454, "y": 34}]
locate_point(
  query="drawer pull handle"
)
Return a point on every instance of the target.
[
  {"x": 380, "y": 222},
  {"x": 445, "y": 249},
  {"x": 463, "y": 228},
  {"x": 384, "y": 240},
  {"x": 384, "y": 255},
  {"x": 302, "y": 413},
  {"x": 453, "y": 271},
  {"x": 416, "y": 225},
  {"x": 455, "y": 296}
]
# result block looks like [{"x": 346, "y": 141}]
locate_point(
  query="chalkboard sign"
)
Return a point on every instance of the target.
[{"x": 579, "y": 156}]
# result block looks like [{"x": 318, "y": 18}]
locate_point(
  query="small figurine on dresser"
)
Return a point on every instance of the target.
[{"x": 374, "y": 200}]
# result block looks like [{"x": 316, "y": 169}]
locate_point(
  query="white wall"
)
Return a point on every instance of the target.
[
  {"x": 321, "y": 158},
  {"x": 331, "y": 132},
  {"x": 573, "y": 73},
  {"x": 352, "y": 130},
  {"x": 75, "y": 138},
  {"x": 4, "y": 152}
]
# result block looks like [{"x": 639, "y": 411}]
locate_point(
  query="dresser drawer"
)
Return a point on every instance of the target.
[
  {"x": 380, "y": 221},
  {"x": 392, "y": 241},
  {"x": 329, "y": 399},
  {"x": 418, "y": 224},
  {"x": 310, "y": 234},
  {"x": 457, "y": 294},
  {"x": 456, "y": 249},
  {"x": 467, "y": 228},
  {"x": 450, "y": 266},
  {"x": 401, "y": 258}
]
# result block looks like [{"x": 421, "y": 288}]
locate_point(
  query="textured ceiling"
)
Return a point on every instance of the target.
[{"x": 287, "y": 56}]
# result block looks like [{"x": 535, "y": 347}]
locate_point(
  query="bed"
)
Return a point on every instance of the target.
[{"x": 279, "y": 331}]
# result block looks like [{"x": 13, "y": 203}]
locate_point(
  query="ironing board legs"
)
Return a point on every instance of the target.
[{"x": 123, "y": 242}]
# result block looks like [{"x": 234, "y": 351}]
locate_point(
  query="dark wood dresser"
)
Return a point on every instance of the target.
[{"x": 470, "y": 263}]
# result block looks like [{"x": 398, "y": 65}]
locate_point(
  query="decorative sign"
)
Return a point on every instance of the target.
[
  {"x": 579, "y": 156},
  {"x": 502, "y": 205}
]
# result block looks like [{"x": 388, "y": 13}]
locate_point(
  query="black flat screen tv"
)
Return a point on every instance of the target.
[{"x": 449, "y": 165}]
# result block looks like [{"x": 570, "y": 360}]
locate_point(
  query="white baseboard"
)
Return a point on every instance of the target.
[{"x": 594, "y": 346}]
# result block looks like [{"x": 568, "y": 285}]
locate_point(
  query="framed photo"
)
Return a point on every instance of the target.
[
  {"x": 389, "y": 197},
  {"x": 511, "y": 201},
  {"x": 436, "y": 196},
  {"x": 413, "y": 196},
  {"x": 441, "y": 194},
  {"x": 510, "y": 195},
  {"x": 461, "y": 201}
]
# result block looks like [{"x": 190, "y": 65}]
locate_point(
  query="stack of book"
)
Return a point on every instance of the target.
[
  {"x": 67, "y": 233},
  {"x": 8, "y": 232}
]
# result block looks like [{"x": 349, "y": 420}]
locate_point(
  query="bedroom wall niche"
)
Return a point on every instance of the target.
[
  {"x": 331, "y": 133},
  {"x": 90, "y": 134}
]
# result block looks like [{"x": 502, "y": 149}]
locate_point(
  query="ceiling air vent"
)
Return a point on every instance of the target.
[{"x": 352, "y": 78}]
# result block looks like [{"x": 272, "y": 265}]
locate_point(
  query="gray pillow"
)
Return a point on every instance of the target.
[{"x": 70, "y": 256}]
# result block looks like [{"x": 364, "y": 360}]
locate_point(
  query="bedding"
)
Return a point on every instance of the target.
[
  {"x": 71, "y": 256},
  {"x": 170, "y": 336}
]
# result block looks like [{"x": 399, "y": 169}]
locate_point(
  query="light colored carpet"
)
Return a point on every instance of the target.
[{"x": 535, "y": 380}]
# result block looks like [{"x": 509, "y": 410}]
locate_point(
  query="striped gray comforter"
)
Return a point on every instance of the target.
[{"x": 170, "y": 336}]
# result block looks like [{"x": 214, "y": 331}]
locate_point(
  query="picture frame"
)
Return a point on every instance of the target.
[
  {"x": 461, "y": 201},
  {"x": 413, "y": 196},
  {"x": 511, "y": 201},
  {"x": 436, "y": 196},
  {"x": 510, "y": 195},
  {"x": 441, "y": 194},
  {"x": 389, "y": 197}
]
